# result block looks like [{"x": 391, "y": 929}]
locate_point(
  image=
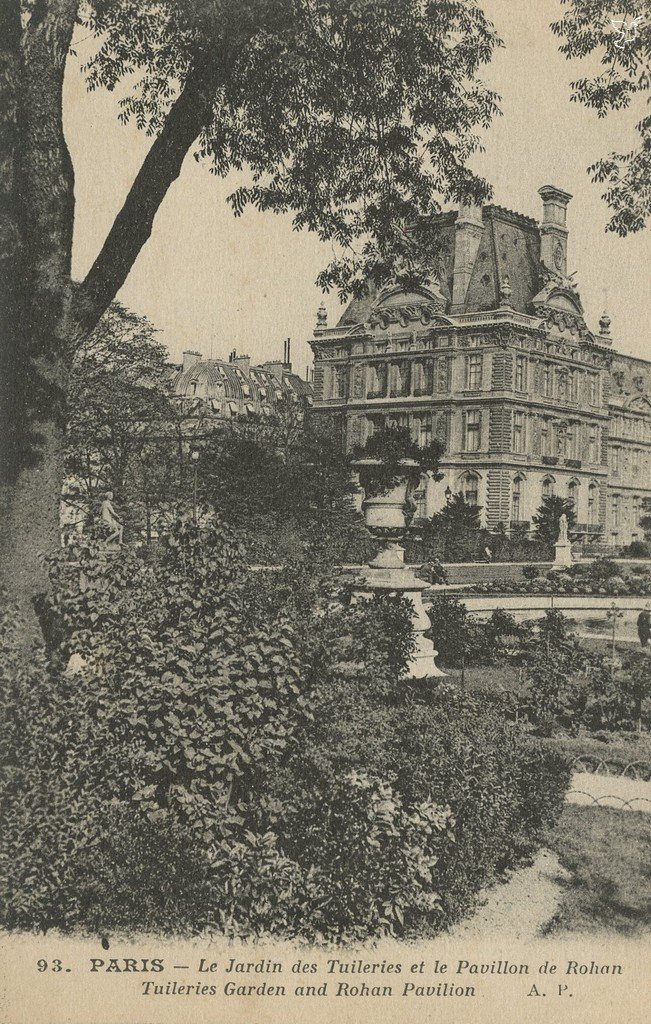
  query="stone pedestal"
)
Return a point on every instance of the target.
[
  {"x": 562, "y": 553},
  {"x": 388, "y": 574}
]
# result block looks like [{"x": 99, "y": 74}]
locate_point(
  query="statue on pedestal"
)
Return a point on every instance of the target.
[
  {"x": 111, "y": 519},
  {"x": 562, "y": 530},
  {"x": 563, "y": 547}
]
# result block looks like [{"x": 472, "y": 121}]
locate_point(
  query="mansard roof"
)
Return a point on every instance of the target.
[
  {"x": 630, "y": 386},
  {"x": 216, "y": 378},
  {"x": 509, "y": 246}
]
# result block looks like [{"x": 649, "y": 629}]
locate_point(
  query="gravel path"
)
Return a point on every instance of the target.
[
  {"x": 626, "y": 794},
  {"x": 522, "y": 906}
]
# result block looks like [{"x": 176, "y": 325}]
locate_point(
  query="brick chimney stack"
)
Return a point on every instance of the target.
[
  {"x": 244, "y": 363},
  {"x": 553, "y": 229}
]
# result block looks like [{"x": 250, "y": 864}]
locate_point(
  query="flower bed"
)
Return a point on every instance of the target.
[{"x": 602, "y": 578}]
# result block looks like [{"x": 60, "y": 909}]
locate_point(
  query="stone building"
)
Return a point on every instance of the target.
[
  {"x": 494, "y": 357},
  {"x": 215, "y": 389}
]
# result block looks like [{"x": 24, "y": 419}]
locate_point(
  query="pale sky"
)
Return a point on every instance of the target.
[{"x": 212, "y": 282}]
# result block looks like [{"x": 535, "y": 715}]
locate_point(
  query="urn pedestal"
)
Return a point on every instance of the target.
[{"x": 387, "y": 515}]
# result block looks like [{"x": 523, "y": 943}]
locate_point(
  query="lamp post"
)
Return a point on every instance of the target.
[{"x": 613, "y": 615}]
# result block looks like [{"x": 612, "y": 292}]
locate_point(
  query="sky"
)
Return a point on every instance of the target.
[{"x": 211, "y": 282}]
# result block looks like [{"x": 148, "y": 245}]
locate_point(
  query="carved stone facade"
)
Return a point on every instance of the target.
[{"x": 496, "y": 358}]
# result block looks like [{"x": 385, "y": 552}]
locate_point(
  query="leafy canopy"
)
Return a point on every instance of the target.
[
  {"x": 355, "y": 116},
  {"x": 123, "y": 429},
  {"x": 621, "y": 36}
]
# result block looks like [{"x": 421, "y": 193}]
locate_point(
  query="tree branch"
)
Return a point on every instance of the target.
[{"x": 133, "y": 225}]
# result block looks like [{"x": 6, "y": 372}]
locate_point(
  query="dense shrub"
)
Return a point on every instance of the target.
[
  {"x": 572, "y": 688},
  {"x": 444, "y": 745},
  {"x": 637, "y": 549},
  {"x": 240, "y": 752},
  {"x": 459, "y": 636}
]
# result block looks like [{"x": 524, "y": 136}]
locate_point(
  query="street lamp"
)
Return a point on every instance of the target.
[{"x": 448, "y": 494}]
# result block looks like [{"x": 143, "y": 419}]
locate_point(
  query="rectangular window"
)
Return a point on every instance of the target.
[
  {"x": 636, "y": 510},
  {"x": 547, "y": 380},
  {"x": 615, "y": 460},
  {"x": 561, "y": 385},
  {"x": 521, "y": 373},
  {"x": 423, "y": 425},
  {"x": 400, "y": 374},
  {"x": 544, "y": 438},
  {"x": 516, "y": 505},
  {"x": 422, "y": 377},
  {"x": 473, "y": 371},
  {"x": 594, "y": 389},
  {"x": 615, "y": 510},
  {"x": 518, "y": 432},
  {"x": 473, "y": 431},
  {"x": 593, "y": 447},
  {"x": 378, "y": 383},
  {"x": 592, "y": 504}
]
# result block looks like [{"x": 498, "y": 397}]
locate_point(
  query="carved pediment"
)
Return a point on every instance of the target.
[
  {"x": 558, "y": 293},
  {"x": 640, "y": 403},
  {"x": 395, "y": 305}
]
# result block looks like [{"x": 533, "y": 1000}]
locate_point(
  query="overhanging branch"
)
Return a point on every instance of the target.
[{"x": 133, "y": 225}]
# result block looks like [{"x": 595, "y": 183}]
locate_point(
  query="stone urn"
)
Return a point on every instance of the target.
[{"x": 388, "y": 509}]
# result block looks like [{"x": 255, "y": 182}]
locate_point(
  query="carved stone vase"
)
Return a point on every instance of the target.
[{"x": 388, "y": 511}]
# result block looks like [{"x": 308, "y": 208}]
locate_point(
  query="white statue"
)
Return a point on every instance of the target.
[
  {"x": 562, "y": 530},
  {"x": 110, "y": 517}
]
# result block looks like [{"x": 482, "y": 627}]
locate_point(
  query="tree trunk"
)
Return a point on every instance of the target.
[
  {"x": 29, "y": 527},
  {"x": 37, "y": 187},
  {"x": 46, "y": 316}
]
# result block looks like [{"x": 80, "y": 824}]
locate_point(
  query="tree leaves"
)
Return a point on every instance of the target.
[
  {"x": 357, "y": 118},
  {"x": 624, "y": 48}
]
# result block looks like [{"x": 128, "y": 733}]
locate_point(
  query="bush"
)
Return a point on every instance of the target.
[
  {"x": 445, "y": 746},
  {"x": 637, "y": 549},
  {"x": 571, "y": 688},
  {"x": 240, "y": 752}
]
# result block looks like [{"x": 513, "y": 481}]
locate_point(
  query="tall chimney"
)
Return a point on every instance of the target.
[
  {"x": 553, "y": 229},
  {"x": 287, "y": 360},
  {"x": 469, "y": 228},
  {"x": 190, "y": 359}
]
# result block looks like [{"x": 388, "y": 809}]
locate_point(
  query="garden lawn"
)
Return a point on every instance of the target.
[
  {"x": 618, "y": 747},
  {"x": 607, "y": 853}
]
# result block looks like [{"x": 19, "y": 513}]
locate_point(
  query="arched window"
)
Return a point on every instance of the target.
[
  {"x": 548, "y": 487},
  {"x": 470, "y": 488},
  {"x": 573, "y": 493},
  {"x": 516, "y": 499},
  {"x": 593, "y": 503},
  {"x": 616, "y": 511}
]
